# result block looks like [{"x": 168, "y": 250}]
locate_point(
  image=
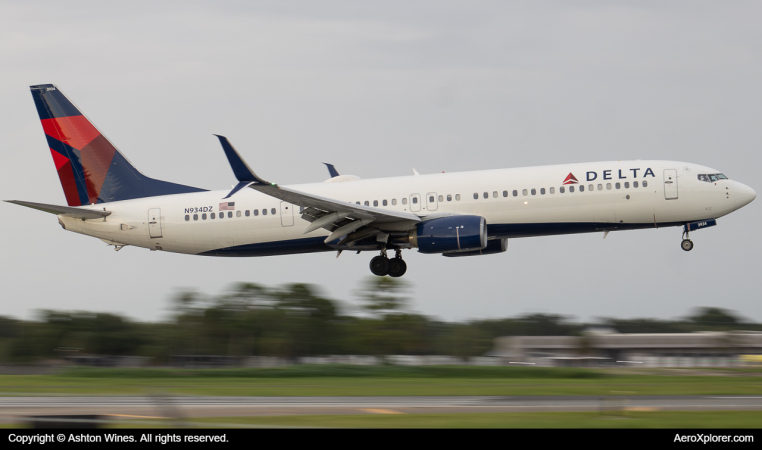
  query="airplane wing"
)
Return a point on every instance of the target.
[
  {"x": 341, "y": 218},
  {"x": 68, "y": 211}
]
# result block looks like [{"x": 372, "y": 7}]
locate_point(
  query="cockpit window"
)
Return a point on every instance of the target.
[{"x": 711, "y": 177}]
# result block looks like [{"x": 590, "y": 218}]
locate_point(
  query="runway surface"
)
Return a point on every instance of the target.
[{"x": 169, "y": 407}]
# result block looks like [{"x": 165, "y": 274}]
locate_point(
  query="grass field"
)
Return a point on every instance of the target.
[
  {"x": 658, "y": 419},
  {"x": 384, "y": 380}
]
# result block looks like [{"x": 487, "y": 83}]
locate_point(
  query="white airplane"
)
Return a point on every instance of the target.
[{"x": 451, "y": 214}]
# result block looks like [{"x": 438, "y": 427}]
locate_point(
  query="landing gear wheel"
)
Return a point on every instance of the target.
[
  {"x": 397, "y": 267},
  {"x": 687, "y": 245},
  {"x": 379, "y": 265}
]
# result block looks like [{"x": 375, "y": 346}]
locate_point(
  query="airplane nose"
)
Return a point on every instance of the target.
[{"x": 743, "y": 194}]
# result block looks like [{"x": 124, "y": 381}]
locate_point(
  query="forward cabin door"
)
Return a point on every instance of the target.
[
  {"x": 670, "y": 184},
  {"x": 286, "y": 214},
  {"x": 154, "y": 222}
]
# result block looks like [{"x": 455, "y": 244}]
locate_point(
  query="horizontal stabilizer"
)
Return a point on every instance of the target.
[{"x": 68, "y": 211}]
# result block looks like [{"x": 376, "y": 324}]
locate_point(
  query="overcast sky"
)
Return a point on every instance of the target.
[{"x": 378, "y": 88}]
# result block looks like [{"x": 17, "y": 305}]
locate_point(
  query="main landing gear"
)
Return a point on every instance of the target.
[
  {"x": 382, "y": 265},
  {"x": 687, "y": 244}
]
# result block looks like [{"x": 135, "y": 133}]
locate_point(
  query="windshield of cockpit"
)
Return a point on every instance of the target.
[{"x": 711, "y": 177}]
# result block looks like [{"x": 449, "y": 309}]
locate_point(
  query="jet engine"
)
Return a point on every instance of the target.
[
  {"x": 450, "y": 234},
  {"x": 493, "y": 246}
]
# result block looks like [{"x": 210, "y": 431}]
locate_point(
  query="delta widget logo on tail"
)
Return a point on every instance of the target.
[{"x": 571, "y": 179}]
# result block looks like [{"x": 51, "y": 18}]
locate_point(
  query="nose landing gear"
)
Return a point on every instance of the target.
[
  {"x": 687, "y": 243},
  {"x": 381, "y": 265}
]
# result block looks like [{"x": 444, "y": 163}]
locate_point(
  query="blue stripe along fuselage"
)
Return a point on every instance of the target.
[{"x": 499, "y": 231}]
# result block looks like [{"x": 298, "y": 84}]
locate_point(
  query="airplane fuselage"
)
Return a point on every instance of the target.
[{"x": 518, "y": 202}]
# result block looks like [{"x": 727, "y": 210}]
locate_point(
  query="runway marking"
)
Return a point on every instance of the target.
[
  {"x": 138, "y": 417},
  {"x": 382, "y": 411}
]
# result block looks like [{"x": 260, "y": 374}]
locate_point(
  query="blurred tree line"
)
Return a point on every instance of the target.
[{"x": 296, "y": 320}]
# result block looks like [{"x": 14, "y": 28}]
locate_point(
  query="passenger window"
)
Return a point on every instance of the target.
[
  {"x": 415, "y": 200},
  {"x": 211, "y": 216},
  {"x": 384, "y": 203},
  {"x": 187, "y": 217},
  {"x": 600, "y": 187},
  {"x": 367, "y": 203},
  {"x": 230, "y": 214},
  {"x": 272, "y": 211},
  {"x": 534, "y": 191},
  {"x": 552, "y": 190},
  {"x": 195, "y": 217},
  {"x": 264, "y": 211},
  {"x": 394, "y": 201},
  {"x": 375, "y": 202},
  {"x": 571, "y": 188},
  {"x": 645, "y": 183},
  {"x": 203, "y": 216},
  {"x": 457, "y": 197},
  {"x": 476, "y": 196},
  {"x": 505, "y": 193},
  {"x": 562, "y": 189},
  {"x": 626, "y": 184},
  {"x": 449, "y": 197},
  {"x": 608, "y": 186},
  {"x": 357, "y": 203},
  {"x": 486, "y": 195},
  {"x": 581, "y": 188},
  {"x": 441, "y": 198},
  {"x": 634, "y": 184},
  {"x": 247, "y": 213},
  {"x": 494, "y": 194},
  {"x": 515, "y": 193},
  {"x": 525, "y": 192},
  {"x": 238, "y": 213},
  {"x": 404, "y": 201},
  {"x": 618, "y": 186},
  {"x": 542, "y": 191},
  {"x": 256, "y": 212}
]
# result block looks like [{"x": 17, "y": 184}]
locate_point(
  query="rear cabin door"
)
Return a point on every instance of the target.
[
  {"x": 286, "y": 214},
  {"x": 154, "y": 222},
  {"x": 670, "y": 184},
  {"x": 431, "y": 201}
]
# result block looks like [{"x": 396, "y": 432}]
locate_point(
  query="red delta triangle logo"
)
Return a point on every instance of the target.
[{"x": 571, "y": 179}]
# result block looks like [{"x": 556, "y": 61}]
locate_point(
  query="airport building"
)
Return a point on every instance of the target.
[{"x": 608, "y": 348}]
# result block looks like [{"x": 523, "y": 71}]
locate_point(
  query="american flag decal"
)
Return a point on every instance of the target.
[{"x": 227, "y": 206}]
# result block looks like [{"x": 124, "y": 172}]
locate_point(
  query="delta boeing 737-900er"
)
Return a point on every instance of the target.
[{"x": 450, "y": 214}]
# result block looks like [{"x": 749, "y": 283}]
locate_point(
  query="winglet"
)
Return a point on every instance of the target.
[
  {"x": 241, "y": 170},
  {"x": 415, "y": 172},
  {"x": 332, "y": 170}
]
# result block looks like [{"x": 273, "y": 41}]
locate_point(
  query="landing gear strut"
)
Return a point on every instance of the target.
[
  {"x": 381, "y": 265},
  {"x": 687, "y": 243}
]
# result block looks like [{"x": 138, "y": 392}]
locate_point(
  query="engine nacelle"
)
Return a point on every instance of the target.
[
  {"x": 450, "y": 234},
  {"x": 493, "y": 246}
]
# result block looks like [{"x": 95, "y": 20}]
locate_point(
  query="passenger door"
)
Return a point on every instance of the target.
[
  {"x": 670, "y": 184},
  {"x": 286, "y": 214},
  {"x": 154, "y": 222}
]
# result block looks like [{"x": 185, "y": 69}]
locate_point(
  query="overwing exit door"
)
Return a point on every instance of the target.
[
  {"x": 154, "y": 222},
  {"x": 670, "y": 184}
]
